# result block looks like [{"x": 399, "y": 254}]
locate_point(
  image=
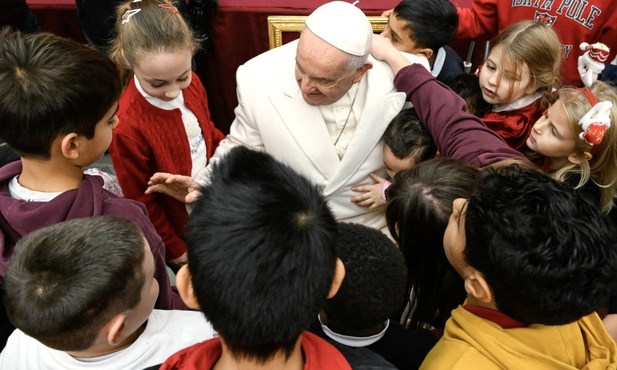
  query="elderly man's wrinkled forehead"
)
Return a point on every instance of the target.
[{"x": 312, "y": 47}]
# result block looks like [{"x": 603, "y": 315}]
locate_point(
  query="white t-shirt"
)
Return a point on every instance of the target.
[{"x": 166, "y": 333}]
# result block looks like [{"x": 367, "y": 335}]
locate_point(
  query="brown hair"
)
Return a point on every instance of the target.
[
  {"x": 535, "y": 45},
  {"x": 65, "y": 282},
  {"x": 148, "y": 27},
  {"x": 51, "y": 86}
]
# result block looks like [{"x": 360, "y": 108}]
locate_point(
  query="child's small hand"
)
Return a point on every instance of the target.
[
  {"x": 372, "y": 193},
  {"x": 179, "y": 187},
  {"x": 382, "y": 48}
]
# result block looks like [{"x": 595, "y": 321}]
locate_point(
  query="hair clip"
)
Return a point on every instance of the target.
[
  {"x": 595, "y": 123},
  {"x": 128, "y": 14},
  {"x": 169, "y": 7}
]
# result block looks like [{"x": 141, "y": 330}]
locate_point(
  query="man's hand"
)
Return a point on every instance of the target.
[
  {"x": 179, "y": 187},
  {"x": 372, "y": 197}
]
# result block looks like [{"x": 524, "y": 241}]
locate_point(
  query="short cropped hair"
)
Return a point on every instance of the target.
[
  {"x": 406, "y": 136},
  {"x": 51, "y": 86},
  {"x": 261, "y": 251},
  {"x": 375, "y": 281},
  {"x": 431, "y": 23},
  {"x": 66, "y": 281},
  {"x": 548, "y": 254}
]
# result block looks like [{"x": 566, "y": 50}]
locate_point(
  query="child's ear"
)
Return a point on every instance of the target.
[
  {"x": 337, "y": 280},
  {"x": 124, "y": 61},
  {"x": 69, "y": 146},
  {"x": 117, "y": 329},
  {"x": 578, "y": 158},
  {"x": 426, "y": 52},
  {"x": 184, "y": 283},
  {"x": 476, "y": 286}
]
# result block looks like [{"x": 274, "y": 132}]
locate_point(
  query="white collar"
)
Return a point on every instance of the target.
[
  {"x": 166, "y": 105},
  {"x": 440, "y": 59},
  {"x": 353, "y": 341},
  {"x": 518, "y": 103}
]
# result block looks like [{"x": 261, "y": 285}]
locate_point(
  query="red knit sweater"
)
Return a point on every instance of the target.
[{"x": 148, "y": 140}]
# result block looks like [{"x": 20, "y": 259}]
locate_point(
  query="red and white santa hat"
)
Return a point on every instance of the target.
[{"x": 595, "y": 54}]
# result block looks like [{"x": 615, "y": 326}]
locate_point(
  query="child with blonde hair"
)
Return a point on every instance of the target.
[
  {"x": 164, "y": 117},
  {"x": 573, "y": 141},
  {"x": 518, "y": 77},
  {"x": 564, "y": 144}
]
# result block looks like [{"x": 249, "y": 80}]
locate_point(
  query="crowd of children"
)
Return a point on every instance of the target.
[{"x": 501, "y": 241}]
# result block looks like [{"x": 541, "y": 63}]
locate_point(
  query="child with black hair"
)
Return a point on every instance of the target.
[
  {"x": 58, "y": 103},
  {"x": 425, "y": 27},
  {"x": 406, "y": 142},
  {"x": 374, "y": 288},
  {"x": 82, "y": 293},
  {"x": 537, "y": 260},
  {"x": 261, "y": 263},
  {"x": 419, "y": 205},
  {"x": 467, "y": 87}
]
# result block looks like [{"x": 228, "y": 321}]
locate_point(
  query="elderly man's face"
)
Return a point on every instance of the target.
[{"x": 322, "y": 71}]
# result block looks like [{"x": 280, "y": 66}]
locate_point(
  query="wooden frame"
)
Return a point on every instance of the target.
[{"x": 277, "y": 24}]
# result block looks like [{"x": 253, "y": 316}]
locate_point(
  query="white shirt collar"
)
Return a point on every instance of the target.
[
  {"x": 353, "y": 341},
  {"x": 440, "y": 59},
  {"x": 166, "y": 105},
  {"x": 518, "y": 103}
]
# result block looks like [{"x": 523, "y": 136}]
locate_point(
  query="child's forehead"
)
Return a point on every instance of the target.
[{"x": 509, "y": 63}]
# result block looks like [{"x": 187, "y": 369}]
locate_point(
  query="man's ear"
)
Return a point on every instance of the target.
[
  {"x": 117, "y": 329},
  {"x": 337, "y": 280},
  {"x": 578, "y": 158},
  {"x": 476, "y": 286},
  {"x": 361, "y": 71},
  {"x": 69, "y": 146},
  {"x": 184, "y": 284}
]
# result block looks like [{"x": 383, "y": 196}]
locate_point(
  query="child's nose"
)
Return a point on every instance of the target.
[
  {"x": 172, "y": 94},
  {"x": 493, "y": 79}
]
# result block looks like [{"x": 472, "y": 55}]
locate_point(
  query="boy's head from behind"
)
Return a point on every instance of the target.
[
  {"x": 467, "y": 87},
  {"x": 532, "y": 247},
  {"x": 51, "y": 86},
  {"x": 375, "y": 280},
  {"x": 406, "y": 143},
  {"x": 261, "y": 251},
  {"x": 81, "y": 285},
  {"x": 422, "y": 26}
]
